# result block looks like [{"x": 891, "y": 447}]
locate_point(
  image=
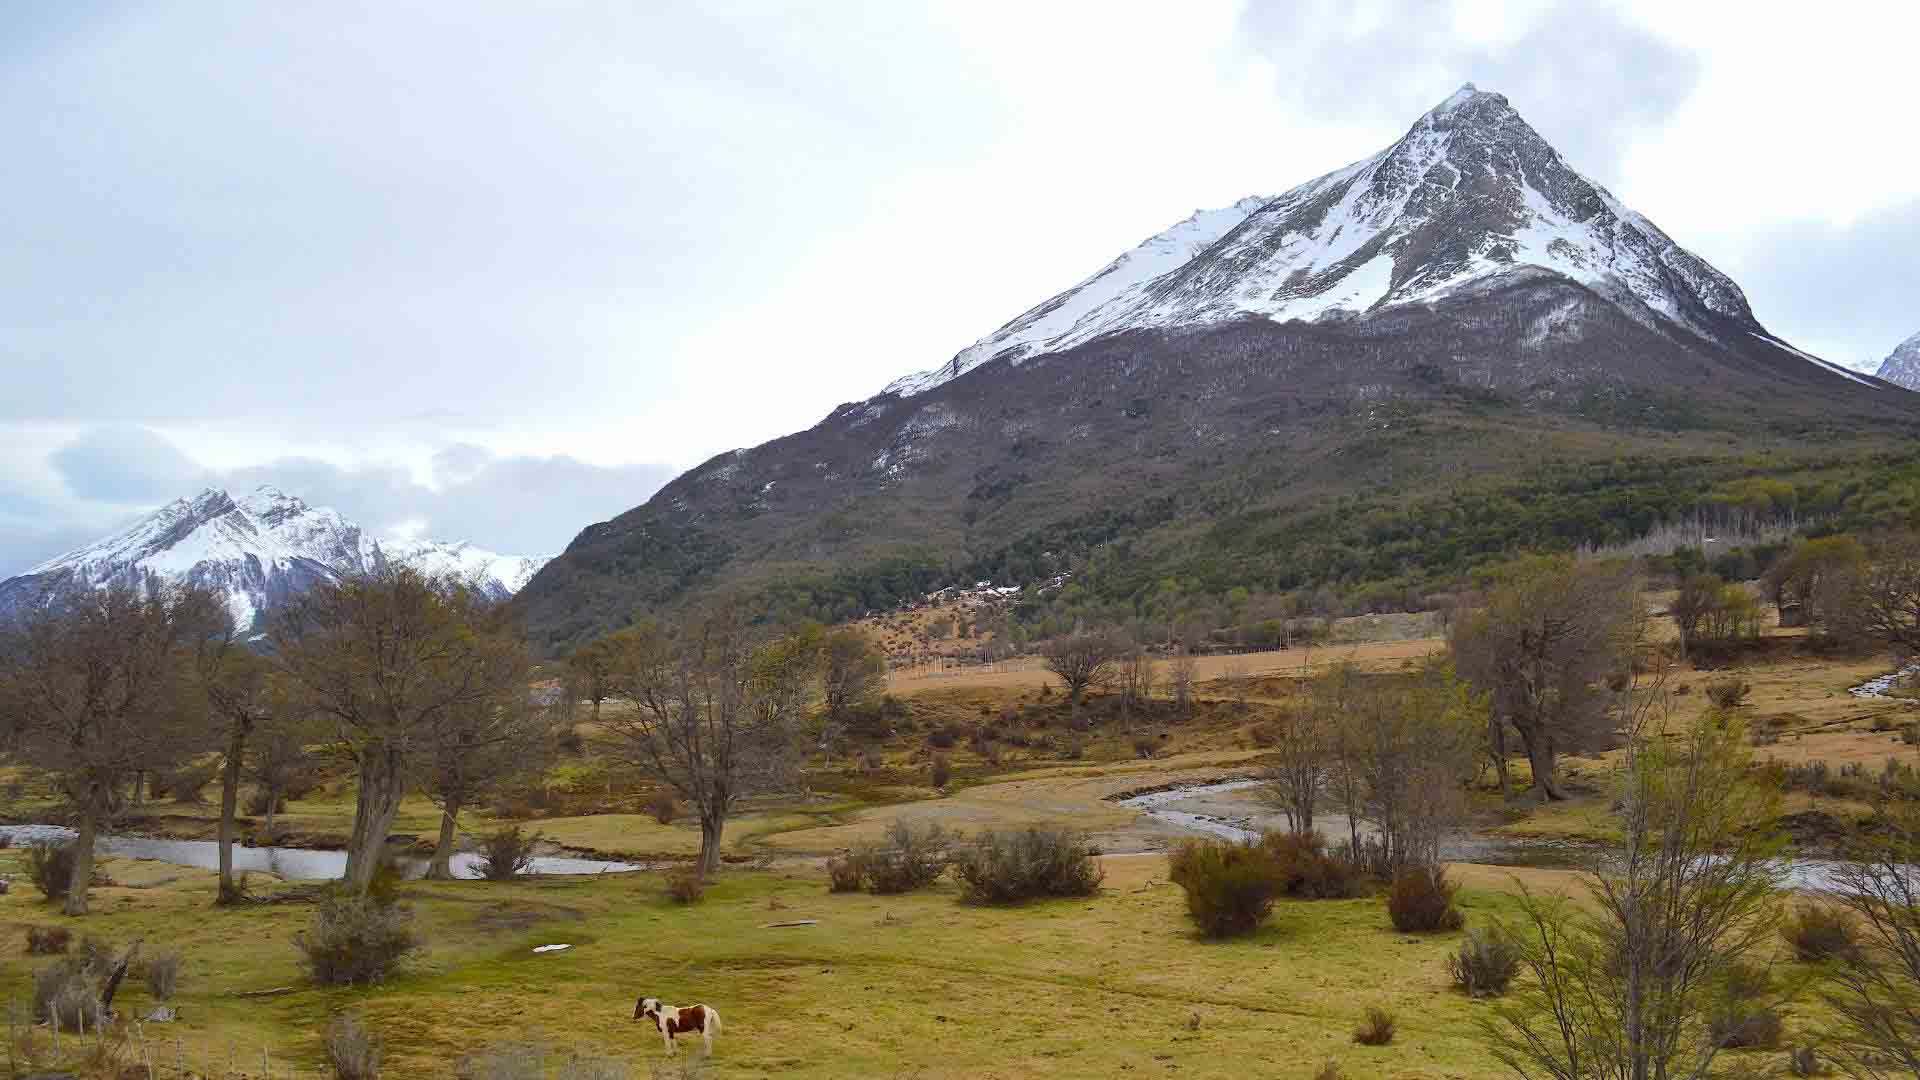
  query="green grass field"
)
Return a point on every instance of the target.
[{"x": 913, "y": 986}]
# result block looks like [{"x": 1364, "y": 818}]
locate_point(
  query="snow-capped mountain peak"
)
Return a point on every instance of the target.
[
  {"x": 259, "y": 549},
  {"x": 1902, "y": 365},
  {"x": 1470, "y": 195}
]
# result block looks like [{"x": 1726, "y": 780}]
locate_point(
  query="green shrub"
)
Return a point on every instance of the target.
[
  {"x": 1004, "y": 867},
  {"x": 1816, "y": 932},
  {"x": 48, "y": 940},
  {"x": 67, "y": 992},
  {"x": 1308, "y": 871},
  {"x": 355, "y": 940},
  {"x": 913, "y": 857},
  {"x": 686, "y": 886},
  {"x": 1230, "y": 886},
  {"x": 352, "y": 1050},
  {"x": 941, "y": 770},
  {"x": 1747, "y": 1027},
  {"x": 163, "y": 975},
  {"x": 505, "y": 854},
  {"x": 1728, "y": 693},
  {"x": 50, "y": 865},
  {"x": 1486, "y": 962},
  {"x": 1376, "y": 1029},
  {"x": 663, "y": 806},
  {"x": 1421, "y": 901},
  {"x": 846, "y": 873}
]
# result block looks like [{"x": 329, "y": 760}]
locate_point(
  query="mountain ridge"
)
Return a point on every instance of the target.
[
  {"x": 1455, "y": 311},
  {"x": 259, "y": 549}
]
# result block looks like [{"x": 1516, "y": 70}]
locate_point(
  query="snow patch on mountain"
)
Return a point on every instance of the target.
[
  {"x": 1470, "y": 195},
  {"x": 258, "y": 549}
]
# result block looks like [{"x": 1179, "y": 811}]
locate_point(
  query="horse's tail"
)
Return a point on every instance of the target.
[{"x": 713, "y": 1021}]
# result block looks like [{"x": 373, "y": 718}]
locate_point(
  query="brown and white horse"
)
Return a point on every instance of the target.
[{"x": 674, "y": 1022}]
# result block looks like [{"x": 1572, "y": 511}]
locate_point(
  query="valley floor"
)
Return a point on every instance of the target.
[{"x": 914, "y": 986}]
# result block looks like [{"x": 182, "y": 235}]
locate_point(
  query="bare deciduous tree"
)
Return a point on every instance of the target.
[
  {"x": 591, "y": 671},
  {"x": 1880, "y": 600},
  {"x": 1180, "y": 676},
  {"x": 1623, "y": 989},
  {"x": 477, "y": 746},
  {"x": 1696, "y": 597},
  {"x": 385, "y": 659},
  {"x": 1411, "y": 743},
  {"x": 99, "y": 686},
  {"x": 1080, "y": 661},
  {"x": 242, "y": 698},
  {"x": 852, "y": 673},
  {"x": 1543, "y": 648},
  {"x": 1874, "y": 986},
  {"x": 717, "y": 713}
]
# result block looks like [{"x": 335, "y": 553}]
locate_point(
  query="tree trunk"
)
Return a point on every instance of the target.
[
  {"x": 139, "y": 786},
  {"x": 87, "y": 827},
  {"x": 711, "y": 823},
  {"x": 273, "y": 804},
  {"x": 229, "y": 803},
  {"x": 375, "y": 805},
  {"x": 1497, "y": 730},
  {"x": 441, "y": 868},
  {"x": 1541, "y": 756}
]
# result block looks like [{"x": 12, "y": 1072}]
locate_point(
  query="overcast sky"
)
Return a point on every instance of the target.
[{"x": 495, "y": 271}]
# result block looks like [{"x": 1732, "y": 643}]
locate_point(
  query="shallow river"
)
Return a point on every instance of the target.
[
  {"x": 293, "y": 864},
  {"x": 1227, "y": 810}
]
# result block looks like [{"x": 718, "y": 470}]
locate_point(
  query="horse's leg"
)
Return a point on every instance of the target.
[
  {"x": 667, "y": 1036},
  {"x": 706, "y": 1032}
]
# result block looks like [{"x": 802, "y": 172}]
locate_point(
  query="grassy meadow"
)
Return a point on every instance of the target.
[{"x": 920, "y": 985}]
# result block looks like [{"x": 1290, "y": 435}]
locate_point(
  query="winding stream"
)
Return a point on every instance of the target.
[
  {"x": 292, "y": 864},
  {"x": 1816, "y": 875}
]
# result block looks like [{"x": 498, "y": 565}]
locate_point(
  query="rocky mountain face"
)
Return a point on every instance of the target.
[
  {"x": 258, "y": 549},
  {"x": 1456, "y": 309},
  {"x": 1902, "y": 365}
]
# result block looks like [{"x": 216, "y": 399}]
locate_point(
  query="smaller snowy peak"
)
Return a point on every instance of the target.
[
  {"x": 1902, "y": 365},
  {"x": 259, "y": 549},
  {"x": 497, "y": 575}
]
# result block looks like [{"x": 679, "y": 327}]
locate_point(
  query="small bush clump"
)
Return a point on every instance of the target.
[
  {"x": 1421, "y": 901},
  {"x": 352, "y": 1050},
  {"x": 67, "y": 992},
  {"x": 1746, "y": 1028},
  {"x": 1486, "y": 963},
  {"x": 163, "y": 975},
  {"x": 1802, "y": 1061},
  {"x": 1816, "y": 932},
  {"x": 663, "y": 806},
  {"x": 1308, "y": 871},
  {"x": 913, "y": 857},
  {"x": 1330, "y": 1071},
  {"x": 846, "y": 873},
  {"x": 686, "y": 886},
  {"x": 1230, "y": 886},
  {"x": 355, "y": 940},
  {"x": 940, "y": 771},
  {"x": 50, "y": 865},
  {"x": 1004, "y": 867},
  {"x": 260, "y": 800},
  {"x": 505, "y": 854},
  {"x": 1728, "y": 693},
  {"x": 1376, "y": 1029},
  {"x": 48, "y": 940}
]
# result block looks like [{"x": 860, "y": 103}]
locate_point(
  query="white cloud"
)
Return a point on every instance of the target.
[{"x": 337, "y": 242}]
